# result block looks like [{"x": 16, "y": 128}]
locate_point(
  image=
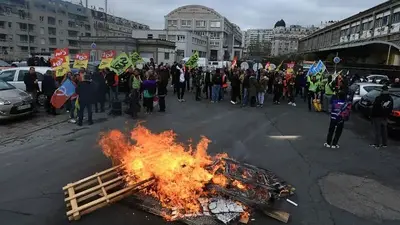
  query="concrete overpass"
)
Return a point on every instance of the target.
[{"x": 371, "y": 36}]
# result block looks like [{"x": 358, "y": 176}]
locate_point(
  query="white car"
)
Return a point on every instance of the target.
[
  {"x": 15, "y": 77},
  {"x": 376, "y": 78},
  {"x": 360, "y": 89}
]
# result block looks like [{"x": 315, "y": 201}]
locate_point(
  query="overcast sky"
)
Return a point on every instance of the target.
[{"x": 246, "y": 14}]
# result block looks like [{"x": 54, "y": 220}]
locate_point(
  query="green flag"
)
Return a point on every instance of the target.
[
  {"x": 135, "y": 58},
  {"x": 121, "y": 63},
  {"x": 192, "y": 61}
]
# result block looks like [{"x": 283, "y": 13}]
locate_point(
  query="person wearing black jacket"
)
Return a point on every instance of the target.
[
  {"x": 162, "y": 83},
  {"x": 101, "y": 90},
  {"x": 86, "y": 93},
  {"x": 207, "y": 89},
  {"x": 381, "y": 109},
  {"x": 216, "y": 88},
  {"x": 235, "y": 86},
  {"x": 112, "y": 83},
  {"x": 48, "y": 89},
  {"x": 197, "y": 81},
  {"x": 32, "y": 86},
  {"x": 245, "y": 88}
]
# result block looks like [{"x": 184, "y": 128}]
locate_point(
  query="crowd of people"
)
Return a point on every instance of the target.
[{"x": 147, "y": 88}]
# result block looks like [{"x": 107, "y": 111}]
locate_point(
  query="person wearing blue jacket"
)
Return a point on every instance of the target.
[{"x": 339, "y": 114}]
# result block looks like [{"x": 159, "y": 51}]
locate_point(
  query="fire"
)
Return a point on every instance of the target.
[
  {"x": 180, "y": 173},
  {"x": 239, "y": 185}
]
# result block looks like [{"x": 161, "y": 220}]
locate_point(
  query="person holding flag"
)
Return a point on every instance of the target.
[{"x": 86, "y": 93}]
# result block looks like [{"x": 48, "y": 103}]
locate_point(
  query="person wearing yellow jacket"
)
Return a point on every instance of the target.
[
  {"x": 312, "y": 90},
  {"x": 329, "y": 92}
]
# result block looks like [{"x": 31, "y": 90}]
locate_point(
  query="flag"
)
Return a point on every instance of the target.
[
  {"x": 62, "y": 53},
  {"x": 192, "y": 61},
  {"x": 234, "y": 62},
  {"x": 120, "y": 64},
  {"x": 81, "y": 60},
  {"x": 279, "y": 67},
  {"x": 62, "y": 94},
  {"x": 311, "y": 70},
  {"x": 60, "y": 65},
  {"x": 106, "y": 59},
  {"x": 135, "y": 58},
  {"x": 320, "y": 67}
]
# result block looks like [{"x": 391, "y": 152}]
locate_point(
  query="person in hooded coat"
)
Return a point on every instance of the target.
[
  {"x": 48, "y": 88},
  {"x": 86, "y": 93},
  {"x": 101, "y": 90}
]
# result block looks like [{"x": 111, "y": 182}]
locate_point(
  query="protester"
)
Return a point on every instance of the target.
[
  {"x": 135, "y": 83},
  {"x": 207, "y": 88},
  {"x": 381, "y": 109},
  {"x": 291, "y": 89},
  {"x": 101, "y": 90},
  {"x": 197, "y": 78},
  {"x": 339, "y": 114},
  {"x": 224, "y": 85},
  {"x": 245, "y": 87},
  {"x": 85, "y": 92},
  {"x": 328, "y": 94},
  {"x": 48, "y": 89},
  {"x": 32, "y": 86},
  {"x": 112, "y": 83},
  {"x": 262, "y": 88},
  {"x": 216, "y": 88},
  {"x": 181, "y": 84},
  {"x": 312, "y": 91},
  {"x": 162, "y": 84},
  {"x": 253, "y": 86},
  {"x": 149, "y": 91},
  {"x": 278, "y": 90},
  {"x": 235, "y": 87}
]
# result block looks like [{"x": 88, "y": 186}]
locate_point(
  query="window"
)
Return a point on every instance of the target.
[
  {"x": 385, "y": 20},
  {"x": 21, "y": 75},
  {"x": 214, "y": 35},
  {"x": 41, "y": 18},
  {"x": 149, "y": 36},
  {"x": 396, "y": 17},
  {"x": 166, "y": 55},
  {"x": 181, "y": 37},
  {"x": 42, "y": 30},
  {"x": 43, "y": 50},
  {"x": 172, "y": 23},
  {"x": 60, "y": 22},
  {"x": 9, "y": 24},
  {"x": 7, "y": 75},
  {"x": 186, "y": 23},
  {"x": 162, "y": 36},
  {"x": 200, "y": 23},
  {"x": 172, "y": 37},
  {"x": 215, "y": 24},
  {"x": 42, "y": 41},
  {"x": 369, "y": 88}
]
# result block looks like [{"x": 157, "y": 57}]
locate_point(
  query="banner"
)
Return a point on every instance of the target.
[
  {"x": 60, "y": 65},
  {"x": 120, "y": 64},
  {"x": 61, "y": 53},
  {"x": 81, "y": 60},
  {"x": 279, "y": 67},
  {"x": 106, "y": 59},
  {"x": 320, "y": 67},
  {"x": 135, "y": 58},
  {"x": 62, "y": 94},
  {"x": 289, "y": 67}
]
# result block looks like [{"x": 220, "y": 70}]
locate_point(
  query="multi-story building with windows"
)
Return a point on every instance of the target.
[
  {"x": 225, "y": 38},
  {"x": 36, "y": 26}
]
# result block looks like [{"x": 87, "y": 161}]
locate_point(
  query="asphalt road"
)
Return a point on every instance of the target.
[{"x": 287, "y": 140}]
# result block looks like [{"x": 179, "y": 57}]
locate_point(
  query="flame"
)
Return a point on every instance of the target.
[
  {"x": 180, "y": 172},
  {"x": 239, "y": 185}
]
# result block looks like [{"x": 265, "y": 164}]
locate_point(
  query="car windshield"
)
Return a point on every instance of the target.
[
  {"x": 396, "y": 102},
  {"x": 373, "y": 94},
  {"x": 5, "y": 86}
]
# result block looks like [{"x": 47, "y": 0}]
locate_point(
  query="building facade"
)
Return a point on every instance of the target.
[
  {"x": 36, "y": 26},
  {"x": 377, "y": 27},
  {"x": 281, "y": 39},
  {"x": 186, "y": 42},
  {"x": 225, "y": 38}
]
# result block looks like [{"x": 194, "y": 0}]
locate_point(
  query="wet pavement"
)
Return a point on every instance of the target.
[{"x": 287, "y": 140}]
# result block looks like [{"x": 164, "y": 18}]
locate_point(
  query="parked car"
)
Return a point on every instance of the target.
[
  {"x": 14, "y": 102},
  {"x": 15, "y": 76},
  {"x": 367, "y": 101},
  {"x": 376, "y": 78},
  {"x": 4, "y": 65},
  {"x": 358, "y": 90}
]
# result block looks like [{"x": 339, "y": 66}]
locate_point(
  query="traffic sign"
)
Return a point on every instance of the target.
[
  {"x": 93, "y": 45},
  {"x": 336, "y": 60}
]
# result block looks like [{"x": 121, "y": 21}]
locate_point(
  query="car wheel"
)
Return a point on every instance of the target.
[
  {"x": 41, "y": 99},
  {"x": 355, "y": 107}
]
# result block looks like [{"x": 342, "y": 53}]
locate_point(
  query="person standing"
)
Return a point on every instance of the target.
[
  {"x": 245, "y": 87},
  {"x": 32, "y": 86},
  {"x": 253, "y": 87},
  {"x": 181, "y": 84},
  {"x": 381, "y": 109},
  {"x": 216, "y": 88},
  {"x": 112, "y": 83},
  {"x": 224, "y": 84},
  {"x": 262, "y": 88},
  {"x": 198, "y": 82},
  {"x": 312, "y": 90},
  {"x": 101, "y": 90},
  {"x": 135, "y": 83},
  {"x": 48, "y": 89},
  {"x": 149, "y": 91},
  {"x": 339, "y": 114},
  {"x": 328, "y": 94},
  {"x": 278, "y": 90},
  {"x": 162, "y": 84},
  {"x": 86, "y": 93},
  {"x": 235, "y": 86},
  {"x": 291, "y": 89},
  {"x": 207, "y": 89}
]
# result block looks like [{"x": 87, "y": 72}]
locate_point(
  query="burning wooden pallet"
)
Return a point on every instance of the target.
[{"x": 97, "y": 191}]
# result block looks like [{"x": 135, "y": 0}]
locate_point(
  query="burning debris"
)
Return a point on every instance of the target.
[{"x": 184, "y": 183}]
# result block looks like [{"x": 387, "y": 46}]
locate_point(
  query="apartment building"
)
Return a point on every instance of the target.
[
  {"x": 186, "y": 42},
  {"x": 37, "y": 26},
  {"x": 225, "y": 38}
]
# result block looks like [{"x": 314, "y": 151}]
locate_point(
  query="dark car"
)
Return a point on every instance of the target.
[{"x": 367, "y": 101}]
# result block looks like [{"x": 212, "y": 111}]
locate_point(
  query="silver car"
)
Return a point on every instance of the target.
[
  {"x": 361, "y": 89},
  {"x": 14, "y": 102},
  {"x": 376, "y": 78}
]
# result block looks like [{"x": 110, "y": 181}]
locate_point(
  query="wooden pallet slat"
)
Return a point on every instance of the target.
[{"x": 97, "y": 191}]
